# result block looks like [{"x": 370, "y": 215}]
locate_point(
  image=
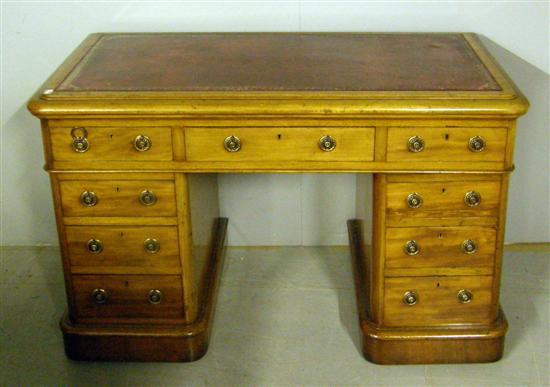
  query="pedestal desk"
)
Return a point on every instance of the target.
[{"x": 136, "y": 128}]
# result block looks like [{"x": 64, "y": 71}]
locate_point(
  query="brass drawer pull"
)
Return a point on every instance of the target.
[
  {"x": 472, "y": 199},
  {"x": 411, "y": 247},
  {"x": 416, "y": 144},
  {"x": 88, "y": 198},
  {"x": 147, "y": 197},
  {"x": 414, "y": 200},
  {"x": 327, "y": 143},
  {"x": 151, "y": 245},
  {"x": 464, "y": 296},
  {"x": 232, "y": 144},
  {"x": 99, "y": 296},
  {"x": 469, "y": 246},
  {"x": 142, "y": 143},
  {"x": 476, "y": 144},
  {"x": 94, "y": 246},
  {"x": 154, "y": 296},
  {"x": 80, "y": 142},
  {"x": 410, "y": 298}
]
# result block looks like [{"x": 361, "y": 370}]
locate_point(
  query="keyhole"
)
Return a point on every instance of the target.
[
  {"x": 110, "y": 136},
  {"x": 279, "y": 136},
  {"x": 126, "y": 283},
  {"x": 446, "y": 136},
  {"x": 118, "y": 189},
  {"x": 438, "y": 284},
  {"x": 440, "y": 236},
  {"x": 443, "y": 190},
  {"x": 121, "y": 234}
]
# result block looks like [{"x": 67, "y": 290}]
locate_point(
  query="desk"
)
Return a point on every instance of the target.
[{"x": 136, "y": 127}]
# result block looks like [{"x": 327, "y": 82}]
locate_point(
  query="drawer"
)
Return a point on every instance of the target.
[
  {"x": 420, "y": 249},
  {"x": 118, "y": 198},
  {"x": 122, "y": 143},
  {"x": 437, "y": 300},
  {"x": 109, "y": 246},
  {"x": 128, "y": 296},
  {"x": 446, "y": 144},
  {"x": 281, "y": 144},
  {"x": 443, "y": 199}
]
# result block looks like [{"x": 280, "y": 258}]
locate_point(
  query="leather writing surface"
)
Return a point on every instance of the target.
[{"x": 280, "y": 62}]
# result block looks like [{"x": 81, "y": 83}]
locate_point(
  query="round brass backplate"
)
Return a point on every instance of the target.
[
  {"x": 416, "y": 144},
  {"x": 327, "y": 143}
]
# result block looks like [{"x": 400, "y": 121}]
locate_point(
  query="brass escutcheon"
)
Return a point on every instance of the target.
[
  {"x": 232, "y": 144},
  {"x": 416, "y": 144},
  {"x": 464, "y": 296},
  {"x": 99, "y": 296},
  {"x": 411, "y": 247},
  {"x": 410, "y": 298},
  {"x": 476, "y": 144},
  {"x": 147, "y": 197},
  {"x": 472, "y": 199},
  {"x": 151, "y": 245},
  {"x": 88, "y": 198},
  {"x": 94, "y": 246},
  {"x": 154, "y": 296},
  {"x": 414, "y": 200},
  {"x": 142, "y": 143},
  {"x": 327, "y": 143},
  {"x": 80, "y": 141},
  {"x": 469, "y": 246}
]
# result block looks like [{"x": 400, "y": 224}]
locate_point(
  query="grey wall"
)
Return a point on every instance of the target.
[{"x": 266, "y": 209}]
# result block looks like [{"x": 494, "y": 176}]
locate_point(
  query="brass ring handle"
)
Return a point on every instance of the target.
[
  {"x": 476, "y": 144},
  {"x": 88, "y": 198},
  {"x": 327, "y": 143},
  {"x": 469, "y": 246},
  {"x": 154, "y": 296},
  {"x": 232, "y": 144},
  {"x": 411, "y": 247},
  {"x": 99, "y": 296},
  {"x": 147, "y": 197},
  {"x": 472, "y": 199},
  {"x": 80, "y": 141},
  {"x": 94, "y": 246},
  {"x": 464, "y": 296},
  {"x": 416, "y": 144},
  {"x": 414, "y": 200},
  {"x": 410, "y": 298},
  {"x": 142, "y": 143},
  {"x": 151, "y": 245}
]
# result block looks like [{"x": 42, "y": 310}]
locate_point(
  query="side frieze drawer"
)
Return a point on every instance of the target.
[{"x": 118, "y": 198}]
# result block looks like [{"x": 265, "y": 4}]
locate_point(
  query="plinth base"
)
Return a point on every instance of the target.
[{"x": 167, "y": 343}]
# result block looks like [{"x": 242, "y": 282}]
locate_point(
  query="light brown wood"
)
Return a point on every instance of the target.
[
  {"x": 276, "y": 144},
  {"x": 112, "y": 143},
  {"x": 118, "y": 198},
  {"x": 123, "y": 247},
  {"x": 440, "y": 248},
  {"x": 437, "y": 301},
  {"x": 127, "y": 296},
  {"x": 446, "y": 144}
]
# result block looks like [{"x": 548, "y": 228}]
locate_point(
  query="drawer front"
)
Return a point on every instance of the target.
[
  {"x": 123, "y": 143},
  {"x": 104, "y": 246},
  {"x": 280, "y": 144},
  {"x": 127, "y": 296},
  {"x": 441, "y": 200},
  {"x": 440, "y": 247},
  {"x": 437, "y": 300},
  {"x": 447, "y": 144},
  {"x": 118, "y": 198}
]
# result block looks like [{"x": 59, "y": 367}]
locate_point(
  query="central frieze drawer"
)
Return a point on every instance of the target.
[
  {"x": 423, "y": 301},
  {"x": 280, "y": 144},
  {"x": 118, "y": 198},
  {"x": 128, "y": 296},
  {"x": 110, "y": 246}
]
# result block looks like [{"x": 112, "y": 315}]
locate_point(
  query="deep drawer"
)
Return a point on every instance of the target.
[
  {"x": 101, "y": 143},
  {"x": 281, "y": 144},
  {"x": 118, "y": 198},
  {"x": 128, "y": 296},
  {"x": 446, "y": 144},
  {"x": 437, "y": 300},
  {"x": 110, "y": 246}
]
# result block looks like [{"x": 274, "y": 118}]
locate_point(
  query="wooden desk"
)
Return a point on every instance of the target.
[{"x": 136, "y": 127}]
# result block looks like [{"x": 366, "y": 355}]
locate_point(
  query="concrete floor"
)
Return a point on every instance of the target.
[{"x": 285, "y": 316}]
